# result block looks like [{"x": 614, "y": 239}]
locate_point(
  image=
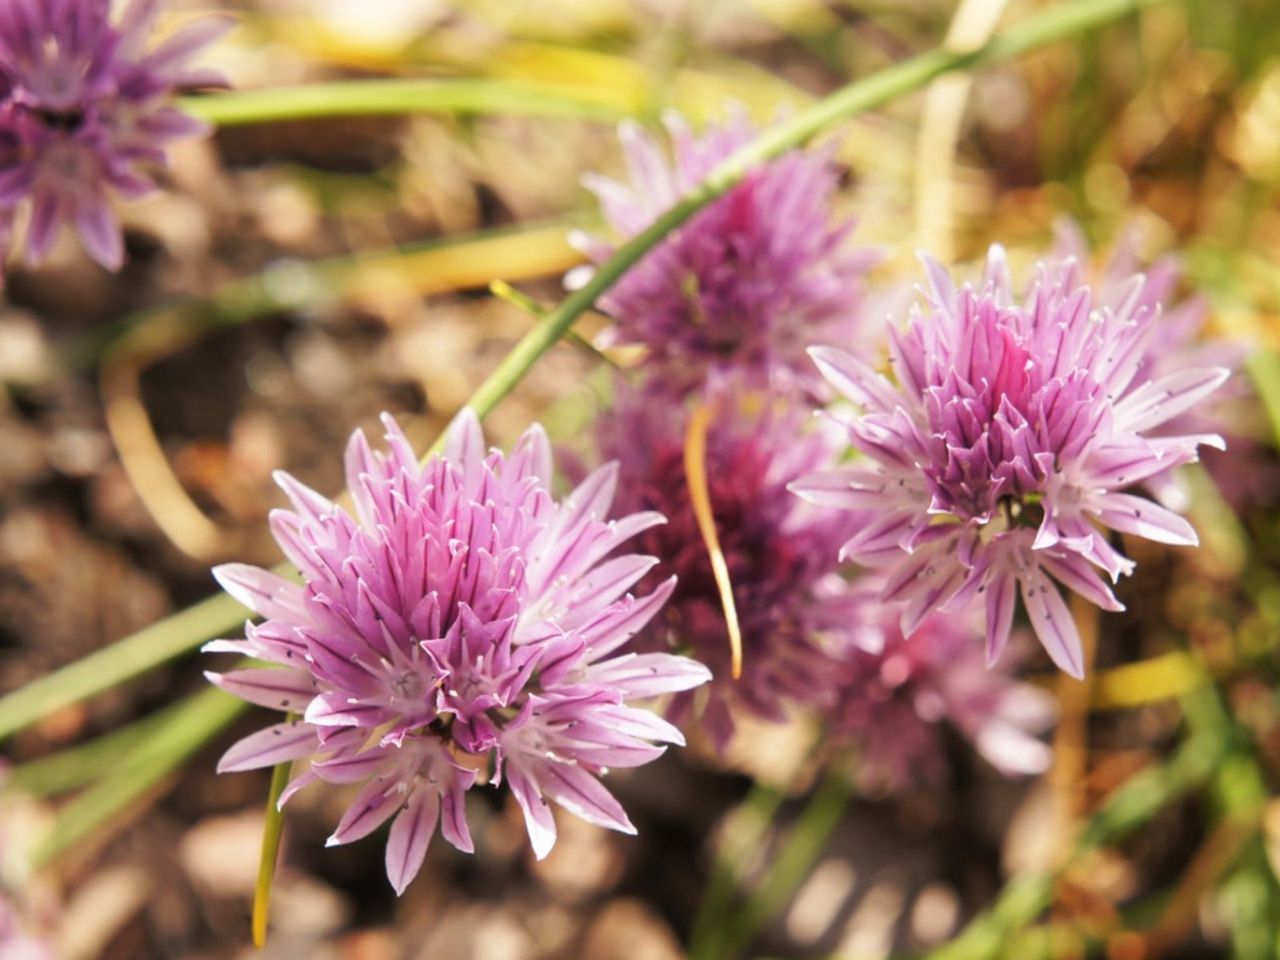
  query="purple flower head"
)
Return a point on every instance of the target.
[
  {"x": 461, "y": 625},
  {"x": 84, "y": 111},
  {"x": 900, "y": 690},
  {"x": 1005, "y": 445},
  {"x": 745, "y": 285},
  {"x": 792, "y": 605}
]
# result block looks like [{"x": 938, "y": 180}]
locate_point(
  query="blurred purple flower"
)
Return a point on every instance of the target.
[
  {"x": 84, "y": 111},
  {"x": 463, "y": 624},
  {"x": 745, "y": 285},
  {"x": 1007, "y": 438},
  {"x": 781, "y": 552},
  {"x": 900, "y": 690}
]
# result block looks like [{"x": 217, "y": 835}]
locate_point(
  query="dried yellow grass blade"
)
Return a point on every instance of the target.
[{"x": 695, "y": 470}]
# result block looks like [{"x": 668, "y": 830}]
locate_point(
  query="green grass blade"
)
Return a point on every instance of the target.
[
  {"x": 193, "y": 725},
  {"x": 385, "y": 97}
]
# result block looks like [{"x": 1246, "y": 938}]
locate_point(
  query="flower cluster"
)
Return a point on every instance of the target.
[
  {"x": 462, "y": 625},
  {"x": 1009, "y": 439},
  {"x": 794, "y": 609},
  {"x": 85, "y": 111},
  {"x": 746, "y": 284},
  {"x": 897, "y": 691}
]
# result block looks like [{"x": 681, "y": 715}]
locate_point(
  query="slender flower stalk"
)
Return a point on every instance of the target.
[
  {"x": 85, "y": 112},
  {"x": 462, "y": 626},
  {"x": 1011, "y": 436}
]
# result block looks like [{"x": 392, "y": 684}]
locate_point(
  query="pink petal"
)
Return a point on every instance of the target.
[
  {"x": 1144, "y": 518},
  {"x": 265, "y": 593},
  {"x": 847, "y": 488},
  {"x": 1002, "y": 593},
  {"x": 538, "y": 819},
  {"x": 464, "y": 440},
  {"x": 1075, "y": 573},
  {"x": 619, "y": 624},
  {"x": 855, "y": 379},
  {"x": 1153, "y": 403},
  {"x": 649, "y": 674},
  {"x": 100, "y": 232},
  {"x": 371, "y": 808},
  {"x": 583, "y": 795},
  {"x": 1053, "y": 623},
  {"x": 603, "y": 585},
  {"x": 410, "y": 836},
  {"x": 275, "y": 689},
  {"x": 266, "y": 748}
]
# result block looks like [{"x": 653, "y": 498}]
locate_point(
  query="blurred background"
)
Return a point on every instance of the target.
[{"x": 294, "y": 279}]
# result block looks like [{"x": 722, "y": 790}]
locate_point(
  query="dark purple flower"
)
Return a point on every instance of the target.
[
  {"x": 461, "y": 621},
  {"x": 745, "y": 285},
  {"x": 85, "y": 112},
  {"x": 793, "y": 607},
  {"x": 1009, "y": 440}
]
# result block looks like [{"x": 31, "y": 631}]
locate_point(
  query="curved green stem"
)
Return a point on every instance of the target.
[
  {"x": 399, "y": 96},
  {"x": 185, "y": 631}
]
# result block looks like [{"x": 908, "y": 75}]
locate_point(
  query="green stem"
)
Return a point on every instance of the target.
[
  {"x": 806, "y": 843},
  {"x": 196, "y": 722},
  {"x": 103, "y": 669},
  {"x": 272, "y": 831},
  {"x": 76, "y": 766},
  {"x": 751, "y": 821},
  {"x": 184, "y": 631},
  {"x": 397, "y": 96}
]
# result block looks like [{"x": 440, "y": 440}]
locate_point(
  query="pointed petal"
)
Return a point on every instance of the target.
[
  {"x": 1002, "y": 594},
  {"x": 464, "y": 440},
  {"x": 855, "y": 379},
  {"x": 1053, "y": 623},
  {"x": 372, "y": 807},
  {"x": 583, "y": 795},
  {"x": 1144, "y": 518},
  {"x": 274, "y": 689},
  {"x": 410, "y": 836},
  {"x": 538, "y": 819},
  {"x": 1153, "y": 403},
  {"x": 265, "y": 593},
  {"x": 266, "y": 748}
]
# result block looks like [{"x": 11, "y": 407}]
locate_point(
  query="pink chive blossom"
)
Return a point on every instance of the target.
[
  {"x": 746, "y": 284},
  {"x": 85, "y": 112},
  {"x": 463, "y": 625},
  {"x": 1009, "y": 439},
  {"x": 793, "y": 607},
  {"x": 899, "y": 692}
]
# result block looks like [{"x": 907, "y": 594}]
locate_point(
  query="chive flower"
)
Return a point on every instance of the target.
[
  {"x": 462, "y": 626},
  {"x": 748, "y": 282},
  {"x": 1010, "y": 438},
  {"x": 86, "y": 112}
]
